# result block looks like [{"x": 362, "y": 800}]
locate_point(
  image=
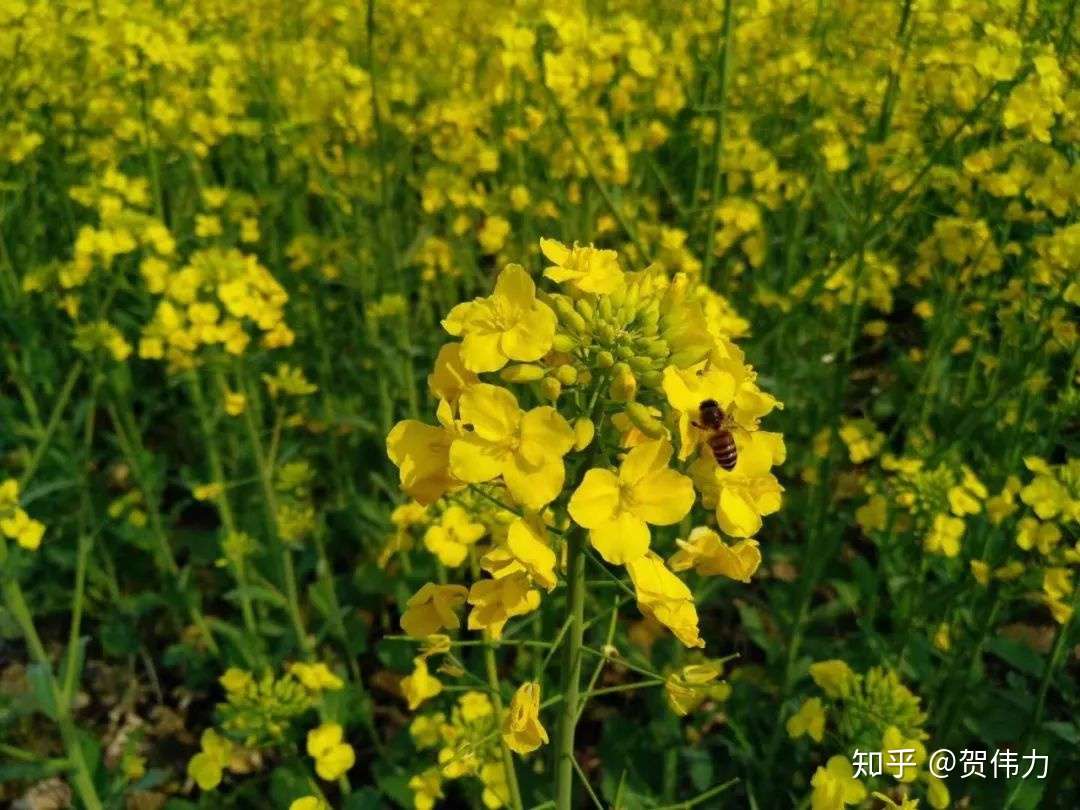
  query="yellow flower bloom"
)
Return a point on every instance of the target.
[
  {"x": 708, "y": 555},
  {"x": 809, "y": 719},
  {"x": 617, "y": 508},
  {"x": 835, "y": 786},
  {"x": 431, "y": 609},
  {"x": 511, "y": 324},
  {"x": 526, "y": 549},
  {"x": 316, "y": 677},
  {"x": 664, "y": 597},
  {"x": 966, "y": 497},
  {"x": 522, "y": 731},
  {"x": 894, "y": 740},
  {"x": 687, "y": 688},
  {"x": 585, "y": 269},
  {"x": 873, "y": 515},
  {"x": 426, "y": 788},
  {"x": 422, "y": 455},
  {"x": 450, "y": 377},
  {"x": 744, "y": 495},
  {"x": 449, "y": 540},
  {"x": 944, "y": 536},
  {"x": 421, "y": 685},
  {"x": 725, "y": 380},
  {"x": 834, "y": 677},
  {"x": 23, "y": 529},
  {"x": 333, "y": 756},
  {"x": 525, "y": 448},
  {"x": 495, "y": 601},
  {"x": 1045, "y": 494},
  {"x": 235, "y": 403},
  {"x": 425, "y": 730},
  {"x": 208, "y": 766},
  {"x": 1031, "y": 533}
]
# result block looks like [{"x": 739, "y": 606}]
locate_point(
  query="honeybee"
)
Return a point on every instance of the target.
[{"x": 720, "y": 440}]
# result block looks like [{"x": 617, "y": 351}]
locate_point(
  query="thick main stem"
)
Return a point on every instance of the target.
[{"x": 571, "y": 687}]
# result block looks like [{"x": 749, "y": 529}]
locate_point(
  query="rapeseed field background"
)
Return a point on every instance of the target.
[{"x": 539, "y": 404}]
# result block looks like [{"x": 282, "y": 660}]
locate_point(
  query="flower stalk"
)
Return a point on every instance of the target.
[{"x": 571, "y": 686}]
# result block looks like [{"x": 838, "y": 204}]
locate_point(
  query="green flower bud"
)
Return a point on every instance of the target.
[
  {"x": 585, "y": 309},
  {"x": 641, "y": 363},
  {"x": 564, "y": 343},
  {"x": 522, "y": 373},
  {"x": 605, "y": 359},
  {"x": 624, "y": 352},
  {"x": 651, "y": 378},
  {"x": 643, "y": 419}
]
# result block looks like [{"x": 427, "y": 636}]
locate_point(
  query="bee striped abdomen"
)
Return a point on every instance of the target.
[{"x": 722, "y": 444}]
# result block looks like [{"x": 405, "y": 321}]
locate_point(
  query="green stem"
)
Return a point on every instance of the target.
[
  {"x": 718, "y": 142},
  {"x": 288, "y": 571},
  {"x": 84, "y": 783},
  {"x": 575, "y": 611},
  {"x": 217, "y": 471}
]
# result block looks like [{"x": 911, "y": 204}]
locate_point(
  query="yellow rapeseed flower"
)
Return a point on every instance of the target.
[
  {"x": 522, "y": 731},
  {"x": 616, "y": 508}
]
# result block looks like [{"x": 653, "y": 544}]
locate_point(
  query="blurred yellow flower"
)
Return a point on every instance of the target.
[
  {"x": 809, "y": 720},
  {"x": 421, "y": 685},
  {"x": 835, "y": 786}
]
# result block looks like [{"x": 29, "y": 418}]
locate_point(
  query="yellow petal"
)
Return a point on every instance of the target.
[
  {"x": 595, "y": 500},
  {"x": 663, "y": 497},
  {"x": 621, "y": 540},
  {"x": 491, "y": 411}
]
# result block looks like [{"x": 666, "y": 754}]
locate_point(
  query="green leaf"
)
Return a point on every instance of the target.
[
  {"x": 1020, "y": 656},
  {"x": 41, "y": 686}
]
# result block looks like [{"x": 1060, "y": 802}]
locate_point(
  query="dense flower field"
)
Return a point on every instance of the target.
[{"x": 581, "y": 403}]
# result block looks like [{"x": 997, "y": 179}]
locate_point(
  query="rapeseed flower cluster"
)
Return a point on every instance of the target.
[
  {"x": 865, "y": 712},
  {"x": 577, "y": 410}
]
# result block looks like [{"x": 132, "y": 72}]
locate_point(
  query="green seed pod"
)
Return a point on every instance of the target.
[
  {"x": 550, "y": 388},
  {"x": 566, "y": 374},
  {"x": 522, "y": 373},
  {"x": 644, "y": 421}
]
